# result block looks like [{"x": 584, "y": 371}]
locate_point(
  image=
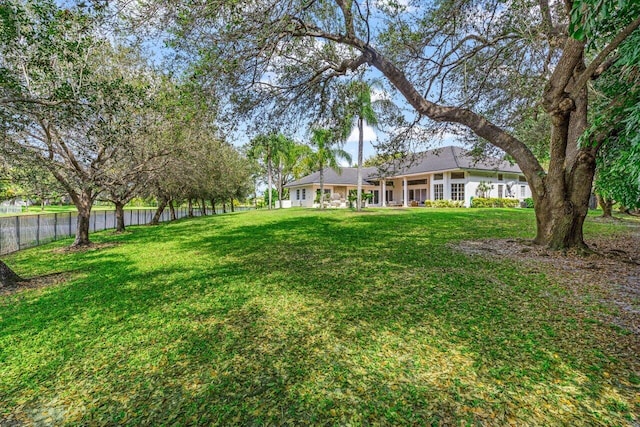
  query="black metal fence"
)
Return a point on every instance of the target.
[{"x": 25, "y": 231}]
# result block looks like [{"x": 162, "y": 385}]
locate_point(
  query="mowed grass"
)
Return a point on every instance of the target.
[{"x": 301, "y": 317}]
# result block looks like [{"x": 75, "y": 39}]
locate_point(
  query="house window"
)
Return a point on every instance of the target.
[
  {"x": 500, "y": 177},
  {"x": 388, "y": 195},
  {"x": 298, "y": 194},
  {"x": 522, "y": 179},
  {"x": 457, "y": 175},
  {"x": 417, "y": 182},
  {"x": 500, "y": 190},
  {"x": 438, "y": 191},
  {"x": 523, "y": 191},
  {"x": 304, "y": 194},
  {"x": 457, "y": 191},
  {"x": 376, "y": 196},
  {"x": 438, "y": 177}
]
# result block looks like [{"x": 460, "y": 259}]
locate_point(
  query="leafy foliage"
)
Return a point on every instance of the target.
[
  {"x": 443, "y": 203},
  {"x": 494, "y": 202}
]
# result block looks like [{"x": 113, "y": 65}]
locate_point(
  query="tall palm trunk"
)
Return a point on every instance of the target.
[
  {"x": 321, "y": 186},
  {"x": 280, "y": 186},
  {"x": 360, "y": 149},
  {"x": 269, "y": 177}
]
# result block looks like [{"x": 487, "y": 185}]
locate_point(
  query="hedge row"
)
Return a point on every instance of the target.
[
  {"x": 480, "y": 202},
  {"x": 443, "y": 204}
]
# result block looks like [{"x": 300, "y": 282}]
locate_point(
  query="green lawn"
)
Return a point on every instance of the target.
[{"x": 303, "y": 317}]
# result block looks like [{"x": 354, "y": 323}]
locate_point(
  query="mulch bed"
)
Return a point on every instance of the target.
[{"x": 611, "y": 273}]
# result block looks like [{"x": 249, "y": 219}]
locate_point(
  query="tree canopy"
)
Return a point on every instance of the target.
[{"x": 478, "y": 65}]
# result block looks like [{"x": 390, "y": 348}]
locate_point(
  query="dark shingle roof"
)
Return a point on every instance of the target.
[
  {"x": 439, "y": 159},
  {"x": 347, "y": 176},
  {"x": 447, "y": 158}
]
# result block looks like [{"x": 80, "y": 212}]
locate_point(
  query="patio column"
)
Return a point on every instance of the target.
[
  {"x": 384, "y": 193},
  {"x": 405, "y": 190}
]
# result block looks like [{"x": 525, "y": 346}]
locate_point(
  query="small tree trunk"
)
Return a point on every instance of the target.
[
  {"x": 82, "y": 232},
  {"x": 224, "y": 206},
  {"x": 172, "y": 209},
  {"x": 190, "y": 208},
  {"x": 231, "y": 204},
  {"x": 8, "y": 278},
  {"x": 83, "y": 203},
  {"x": 360, "y": 149},
  {"x": 213, "y": 205},
  {"x": 156, "y": 216},
  {"x": 204, "y": 207},
  {"x": 606, "y": 205},
  {"x": 119, "y": 217}
]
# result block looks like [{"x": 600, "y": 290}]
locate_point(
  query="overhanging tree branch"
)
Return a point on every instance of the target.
[{"x": 591, "y": 69}]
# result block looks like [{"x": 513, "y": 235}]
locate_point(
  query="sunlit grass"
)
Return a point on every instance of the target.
[{"x": 306, "y": 317}]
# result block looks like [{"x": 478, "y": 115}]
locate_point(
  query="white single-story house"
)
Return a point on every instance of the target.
[{"x": 448, "y": 173}]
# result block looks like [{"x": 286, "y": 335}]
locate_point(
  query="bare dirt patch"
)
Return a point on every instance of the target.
[
  {"x": 86, "y": 248},
  {"x": 610, "y": 275},
  {"x": 35, "y": 283}
]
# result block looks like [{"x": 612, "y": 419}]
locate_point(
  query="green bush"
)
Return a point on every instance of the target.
[
  {"x": 481, "y": 202},
  {"x": 443, "y": 204},
  {"x": 528, "y": 202}
]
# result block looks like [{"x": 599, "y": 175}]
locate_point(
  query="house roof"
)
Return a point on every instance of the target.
[
  {"x": 439, "y": 159},
  {"x": 448, "y": 158},
  {"x": 345, "y": 176}
]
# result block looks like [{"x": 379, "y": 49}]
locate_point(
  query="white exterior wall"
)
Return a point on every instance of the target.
[
  {"x": 307, "y": 202},
  {"x": 491, "y": 178},
  {"x": 472, "y": 180}
]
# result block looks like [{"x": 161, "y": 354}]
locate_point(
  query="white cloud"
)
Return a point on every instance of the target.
[{"x": 369, "y": 134}]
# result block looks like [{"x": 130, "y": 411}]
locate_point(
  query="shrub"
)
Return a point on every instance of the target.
[
  {"x": 528, "y": 203},
  {"x": 443, "y": 204},
  {"x": 481, "y": 202}
]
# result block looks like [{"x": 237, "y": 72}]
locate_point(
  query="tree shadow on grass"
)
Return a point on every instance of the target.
[
  {"x": 314, "y": 320},
  {"x": 508, "y": 323}
]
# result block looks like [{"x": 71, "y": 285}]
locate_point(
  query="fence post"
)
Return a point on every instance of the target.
[
  {"x": 69, "y": 223},
  {"x": 55, "y": 226},
  {"x": 18, "y": 230},
  {"x": 38, "y": 231}
]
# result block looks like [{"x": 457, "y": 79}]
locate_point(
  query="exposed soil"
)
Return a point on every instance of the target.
[
  {"x": 35, "y": 282},
  {"x": 611, "y": 274},
  {"x": 85, "y": 248}
]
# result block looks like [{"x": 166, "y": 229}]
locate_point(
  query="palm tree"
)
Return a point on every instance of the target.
[
  {"x": 326, "y": 154},
  {"x": 359, "y": 109},
  {"x": 270, "y": 149}
]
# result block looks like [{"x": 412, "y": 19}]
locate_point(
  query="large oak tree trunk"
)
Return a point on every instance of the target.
[
  {"x": 120, "y": 226},
  {"x": 8, "y": 278}
]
